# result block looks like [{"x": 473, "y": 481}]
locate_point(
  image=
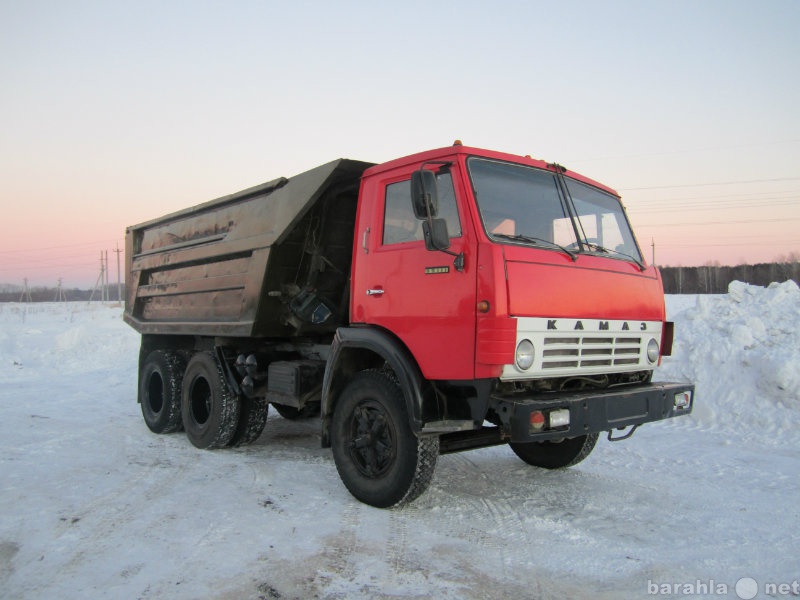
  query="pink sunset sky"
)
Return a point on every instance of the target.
[{"x": 115, "y": 113}]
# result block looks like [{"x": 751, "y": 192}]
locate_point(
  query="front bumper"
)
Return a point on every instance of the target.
[{"x": 593, "y": 411}]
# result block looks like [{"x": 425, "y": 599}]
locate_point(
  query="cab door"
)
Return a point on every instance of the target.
[{"x": 415, "y": 293}]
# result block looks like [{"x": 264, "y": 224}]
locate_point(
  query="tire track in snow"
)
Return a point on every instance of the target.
[
  {"x": 509, "y": 508},
  {"x": 476, "y": 491},
  {"x": 398, "y": 542},
  {"x": 340, "y": 551}
]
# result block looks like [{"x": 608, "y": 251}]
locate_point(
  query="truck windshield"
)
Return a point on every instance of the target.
[
  {"x": 520, "y": 204},
  {"x": 603, "y": 226}
]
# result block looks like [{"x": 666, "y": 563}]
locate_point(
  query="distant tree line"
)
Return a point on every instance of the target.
[{"x": 714, "y": 278}]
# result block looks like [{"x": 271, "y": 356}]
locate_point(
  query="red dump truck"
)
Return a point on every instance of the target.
[{"x": 449, "y": 300}]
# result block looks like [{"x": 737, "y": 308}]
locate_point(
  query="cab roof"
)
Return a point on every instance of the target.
[{"x": 448, "y": 152}]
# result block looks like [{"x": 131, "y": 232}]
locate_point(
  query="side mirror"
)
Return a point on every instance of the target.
[
  {"x": 435, "y": 233},
  {"x": 423, "y": 194}
]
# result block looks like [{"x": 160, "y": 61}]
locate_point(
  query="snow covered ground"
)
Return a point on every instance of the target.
[{"x": 93, "y": 505}]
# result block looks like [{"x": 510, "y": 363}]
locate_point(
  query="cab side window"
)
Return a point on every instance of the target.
[{"x": 399, "y": 223}]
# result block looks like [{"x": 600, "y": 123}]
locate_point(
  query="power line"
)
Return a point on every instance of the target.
[
  {"x": 18, "y": 250},
  {"x": 48, "y": 266},
  {"x": 682, "y": 151},
  {"x": 693, "y": 223},
  {"x": 737, "y": 244},
  {"x": 721, "y": 201},
  {"x": 710, "y": 206},
  {"x": 776, "y": 209},
  {"x": 687, "y": 185},
  {"x": 746, "y": 196}
]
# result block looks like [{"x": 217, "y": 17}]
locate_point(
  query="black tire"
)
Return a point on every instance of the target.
[
  {"x": 293, "y": 413},
  {"x": 377, "y": 455},
  {"x": 210, "y": 410},
  {"x": 160, "y": 390},
  {"x": 252, "y": 419},
  {"x": 556, "y": 455}
]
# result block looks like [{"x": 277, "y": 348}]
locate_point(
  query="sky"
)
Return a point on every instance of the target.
[{"x": 114, "y": 113}]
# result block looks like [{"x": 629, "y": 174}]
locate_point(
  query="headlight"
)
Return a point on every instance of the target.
[
  {"x": 524, "y": 355},
  {"x": 652, "y": 350}
]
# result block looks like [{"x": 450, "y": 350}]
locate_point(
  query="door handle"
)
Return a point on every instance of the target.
[{"x": 375, "y": 292}]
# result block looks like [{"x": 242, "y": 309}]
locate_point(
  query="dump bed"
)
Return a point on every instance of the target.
[{"x": 272, "y": 260}]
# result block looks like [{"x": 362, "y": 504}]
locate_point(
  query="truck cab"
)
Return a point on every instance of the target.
[{"x": 548, "y": 256}]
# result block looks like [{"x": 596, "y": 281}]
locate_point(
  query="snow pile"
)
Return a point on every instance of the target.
[{"x": 742, "y": 350}]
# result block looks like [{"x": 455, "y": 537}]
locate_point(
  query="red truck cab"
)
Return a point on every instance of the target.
[{"x": 463, "y": 324}]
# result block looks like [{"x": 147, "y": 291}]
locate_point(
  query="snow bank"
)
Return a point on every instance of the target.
[{"x": 742, "y": 349}]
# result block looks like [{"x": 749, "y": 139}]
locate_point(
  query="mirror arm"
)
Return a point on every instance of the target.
[{"x": 458, "y": 262}]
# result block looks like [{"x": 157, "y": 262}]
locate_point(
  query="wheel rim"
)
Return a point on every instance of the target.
[
  {"x": 200, "y": 401},
  {"x": 155, "y": 393},
  {"x": 372, "y": 446}
]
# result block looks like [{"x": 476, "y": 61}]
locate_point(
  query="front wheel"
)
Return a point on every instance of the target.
[
  {"x": 377, "y": 455},
  {"x": 556, "y": 455}
]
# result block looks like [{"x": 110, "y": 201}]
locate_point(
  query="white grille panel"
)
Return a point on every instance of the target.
[
  {"x": 590, "y": 351},
  {"x": 564, "y": 347}
]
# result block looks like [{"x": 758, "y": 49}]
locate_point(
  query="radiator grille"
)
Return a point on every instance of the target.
[{"x": 590, "y": 351}]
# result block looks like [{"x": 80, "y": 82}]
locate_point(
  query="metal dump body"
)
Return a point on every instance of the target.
[{"x": 248, "y": 264}]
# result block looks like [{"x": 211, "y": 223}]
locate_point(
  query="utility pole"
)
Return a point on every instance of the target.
[
  {"x": 26, "y": 293},
  {"x": 653, "y": 244},
  {"x": 61, "y": 295},
  {"x": 105, "y": 288},
  {"x": 100, "y": 280},
  {"x": 119, "y": 280}
]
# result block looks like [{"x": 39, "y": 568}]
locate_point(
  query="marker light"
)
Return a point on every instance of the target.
[{"x": 683, "y": 400}]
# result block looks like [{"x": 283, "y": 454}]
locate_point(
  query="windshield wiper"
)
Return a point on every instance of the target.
[
  {"x": 599, "y": 248},
  {"x": 518, "y": 237}
]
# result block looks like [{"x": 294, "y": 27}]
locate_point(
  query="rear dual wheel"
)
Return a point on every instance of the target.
[
  {"x": 210, "y": 409},
  {"x": 160, "y": 381},
  {"x": 252, "y": 419}
]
